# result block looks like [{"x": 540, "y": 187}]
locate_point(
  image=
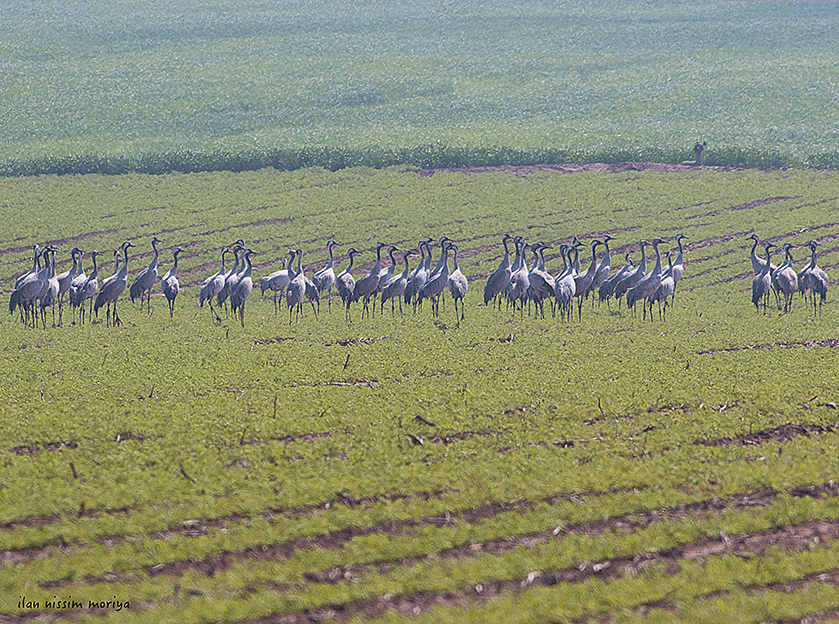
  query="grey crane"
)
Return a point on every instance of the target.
[
  {"x": 90, "y": 288},
  {"x": 584, "y": 281},
  {"x": 604, "y": 268},
  {"x": 457, "y": 285},
  {"x": 276, "y": 282},
  {"x": 65, "y": 280},
  {"x": 169, "y": 284},
  {"x": 212, "y": 286},
  {"x": 679, "y": 265},
  {"x": 395, "y": 288},
  {"x": 242, "y": 287},
  {"x": 499, "y": 279},
  {"x": 519, "y": 276},
  {"x": 647, "y": 285},
  {"x": 385, "y": 275},
  {"x": 564, "y": 285},
  {"x": 345, "y": 282},
  {"x": 815, "y": 276},
  {"x": 367, "y": 285},
  {"x": 784, "y": 279},
  {"x": 232, "y": 275},
  {"x": 665, "y": 289},
  {"x": 607, "y": 288},
  {"x": 75, "y": 286},
  {"x": 762, "y": 282},
  {"x": 633, "y": 276},
  {"x": 49, "y": 296},
  {"x": 324, "y": 279},
  {"x": 435, "y": 286},
  {"x": 30, "y": 290},
  {"x": 112, "y": 288},
  {"x": 418, "y": 277},
  {"x": 35, "y": 257},
  {"x": 296, "y": 288},
  {"x": 542, "y": 283},
  {"x": 146, "y": 279},
  {"x": 757, "y": 263}
]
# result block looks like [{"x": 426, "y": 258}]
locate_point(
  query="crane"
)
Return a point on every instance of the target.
[
  {"x": 499, "y": 279},
  {"x": 395, "y": 288},
  {"x": 366, "y": 286},
  {"x": 276, "y": 281},
  {"x": 65, "y": 280},
  {"x": 457, "y": 285},
  {"x": 763, "y": 281},
  {"x": 169, "y": 284},
  {"x": 90, "y": 288},
  {"x": 784, "y": 279},
  {"x": 112, "y": 288},
  {"x": 324, "y": 279},
  {"x": 242, "y": 287},
  {"x": 212, "y": 286},
  {"x": 345, "y": 282},
  {"x": 146, "y": 279}
]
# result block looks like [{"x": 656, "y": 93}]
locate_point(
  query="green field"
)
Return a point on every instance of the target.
[
  {"x": 148, "y": 86},
  {"x": 608, "y": 469}
]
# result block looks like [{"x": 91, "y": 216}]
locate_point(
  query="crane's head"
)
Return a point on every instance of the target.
[{"x": 754, "y": 237}]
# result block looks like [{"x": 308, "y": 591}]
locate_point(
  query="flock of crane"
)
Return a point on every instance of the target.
[
  {"x": 783, "y": 280},
  {"x": 520, "y": 284}
]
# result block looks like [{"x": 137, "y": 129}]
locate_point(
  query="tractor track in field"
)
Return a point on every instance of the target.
[
  {"x": 631, "y": 522},
  {"x": 795, "y": 538}
]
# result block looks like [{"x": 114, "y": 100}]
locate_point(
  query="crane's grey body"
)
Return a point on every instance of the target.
[
  {"x": 499, "y": 279},
  {"x": 785, "y": 280},
  {"x": 762, "y": 282},
  {"x": 212, "y": 286},
  {"x": 169, "y": 284},
  {"x": 345, "y": 283},
  {"x": 111, "y": 289},
  {"x": 458, "y": 285},
  {"x": 324, "y": 279},
  {"x": 146, "y": 279}
]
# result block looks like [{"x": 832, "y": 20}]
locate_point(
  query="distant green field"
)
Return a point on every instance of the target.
[
  {"x": 608, "y": 468},
  {"x": 187, "y": 86}
]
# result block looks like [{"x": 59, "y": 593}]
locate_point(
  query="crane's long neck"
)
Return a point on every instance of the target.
[
  {"x": 813, "y": 258},
  {"x": 223, "y": 253},
  {"x": 643, "y": 266},
  {"x": 765, "y": 270},
  {"x": 593, "y": 264},
  {"x": 754, "y": 248},
  {"x": 95, "y": 271},
  {"x": 444, "y": 271},
  {"x": 377, "y": 267},
  {"x": 153, "y": 263},
  {"x": 407, "y": 270},
  {"x": 680, "y": 257},
  {"x": 175, "y": 266},
  {"x": 506, "y": 261},
  {"x": 352, "y": 257},
  {"x": 124, "y": 270},
  {"x": 657, "y": 269},
  {"x": 331, "y": 259}
]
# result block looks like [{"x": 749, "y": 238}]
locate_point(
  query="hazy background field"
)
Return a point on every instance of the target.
[{"x": 156, "y": 86}]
